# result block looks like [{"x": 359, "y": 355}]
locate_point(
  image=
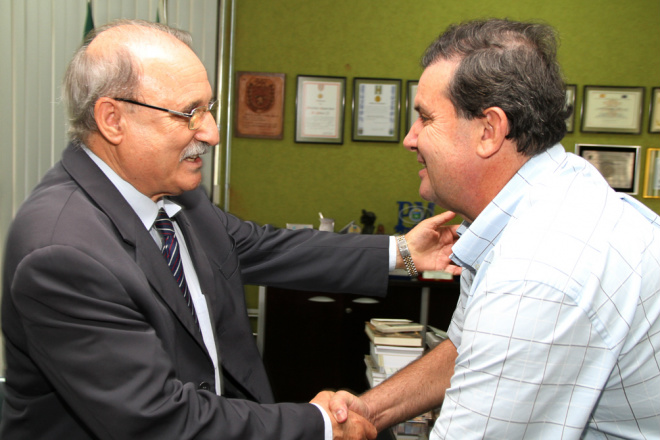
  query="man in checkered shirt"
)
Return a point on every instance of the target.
[{"x": 557, "y": 332}]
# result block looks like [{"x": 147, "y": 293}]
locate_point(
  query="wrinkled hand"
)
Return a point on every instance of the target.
[
  {"x": 352, "y": 425},
  {"x": 430, "y": 243}
]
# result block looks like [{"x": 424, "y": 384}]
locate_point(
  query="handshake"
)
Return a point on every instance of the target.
[{"x": 349, "y": 415}]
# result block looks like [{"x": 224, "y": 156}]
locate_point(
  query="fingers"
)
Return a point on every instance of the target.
[
  {"x": 370, "y": 431},
  {"x": 443, "y": 218},
  {"x": 430, "y": 244},
  {"x": 437, "y": 221},
  {"x": 436, "y": 224},
  {"x": 340, "y": 403},
  {"x": 347, "y": 424},
  {"x": 322, "y": 398},
  {"x": 339, "y": 409},
  {"x": 343, "y": 401},
  {"x": 453, "y": 269},
  {"x": 355, "y": 427}
]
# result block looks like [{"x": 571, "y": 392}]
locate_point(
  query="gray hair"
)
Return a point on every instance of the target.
[
  {"x": 116, "y": 74},
  {"x": 510, "y": 65}
]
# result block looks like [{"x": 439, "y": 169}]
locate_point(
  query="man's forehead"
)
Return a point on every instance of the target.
[
  {"x": 436, "y": 77},
  {"x": 168, "y": 67},
  {"x": 143, "y": 43}
]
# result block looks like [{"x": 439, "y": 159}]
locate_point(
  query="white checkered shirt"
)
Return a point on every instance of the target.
[{"x": 557, "y": 326}]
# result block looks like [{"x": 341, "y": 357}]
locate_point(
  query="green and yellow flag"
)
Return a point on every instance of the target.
[{"x": 89, "y": 21}]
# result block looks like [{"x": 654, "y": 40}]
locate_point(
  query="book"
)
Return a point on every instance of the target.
[
  {"x": 436, "y": 275},
  {"x": 414, "y": 429},
  {"x": 374, "y": 375},
  {"x": 389, "y": 359},
  {"x": 397, "y": 350},
  {"x": 384, "y": 325},
  {"x": 435, "y": 336},
  {"x": 406, "y": 339}
]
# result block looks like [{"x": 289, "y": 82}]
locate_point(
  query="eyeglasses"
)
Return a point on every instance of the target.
[{"x": 196, "y": 116}]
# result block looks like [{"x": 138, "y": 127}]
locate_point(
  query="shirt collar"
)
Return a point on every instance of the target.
[
  {"x": 478, "y": 238},
  {"x": 145, "y": 208}
]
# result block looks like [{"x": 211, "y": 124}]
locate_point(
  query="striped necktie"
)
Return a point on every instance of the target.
[{"x": 173, "y": 257}]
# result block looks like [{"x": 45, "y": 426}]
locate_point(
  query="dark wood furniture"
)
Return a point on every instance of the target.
[{"x": 313, "y": 341}]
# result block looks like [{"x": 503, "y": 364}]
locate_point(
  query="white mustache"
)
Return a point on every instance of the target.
[{"x": 196, "y": 148}]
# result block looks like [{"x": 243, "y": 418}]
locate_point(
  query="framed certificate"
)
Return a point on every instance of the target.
[
  {"x": 376, "y": 109},
  {"x": 320, "y": 102},
  {"x": 571, "y": 91},
  {"x": 612, "y": 109},
  {"x": 619, "y": 164},
  {"x": 260, "y": 105},
  {"x": 652, "y": 180},
  {"x": 654, "y": 117},
  {"x": 411, "y": 113}
]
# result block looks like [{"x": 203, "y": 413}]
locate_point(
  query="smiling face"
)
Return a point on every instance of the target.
[
  {"x": 445, "y": 144},
  {"x": 156, "y": 151}
]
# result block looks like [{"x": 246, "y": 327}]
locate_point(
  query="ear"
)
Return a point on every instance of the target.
[
  {"x": 495, "y": 128},
  {"x": 108, "y": 117}
]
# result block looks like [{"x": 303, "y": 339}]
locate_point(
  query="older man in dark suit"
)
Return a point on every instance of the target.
[{"x": 107, "y": 339}]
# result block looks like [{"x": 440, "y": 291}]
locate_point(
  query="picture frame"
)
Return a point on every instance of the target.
[
  {"x": 654, "y": 112},
  {"x": 376, "y": 109},
  {"x": 259, "y": 105},
  {"x": 652, "y": 175},
  {"x": 320, "y": 109},
  {"x": 571, "y": 92},
  {"x": 619, "y": 164},
  {"x": 411, "y": 113},
  {"x": 609, "y": 109}
]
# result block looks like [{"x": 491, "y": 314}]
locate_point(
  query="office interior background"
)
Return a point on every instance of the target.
[{"x": 279, "y": 181}]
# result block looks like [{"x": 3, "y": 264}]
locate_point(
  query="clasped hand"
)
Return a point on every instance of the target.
[{"x": 346, "y": 422}]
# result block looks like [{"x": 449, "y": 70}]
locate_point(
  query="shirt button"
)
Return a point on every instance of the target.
[{"x": 205, "y": 386}]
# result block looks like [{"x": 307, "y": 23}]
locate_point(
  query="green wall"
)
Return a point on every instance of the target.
[{"x": 608, "y": 42}]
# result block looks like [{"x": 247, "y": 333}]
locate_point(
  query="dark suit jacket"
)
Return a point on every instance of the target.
[{"x": 99, "y": 342}]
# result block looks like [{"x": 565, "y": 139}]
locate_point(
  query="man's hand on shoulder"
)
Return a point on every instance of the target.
[{"x": 430, "y": 244}]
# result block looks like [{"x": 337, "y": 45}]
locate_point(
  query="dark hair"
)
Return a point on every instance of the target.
[{"x": 510, "y": 65}]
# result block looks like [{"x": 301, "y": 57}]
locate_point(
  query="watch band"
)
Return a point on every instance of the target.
[{"x": 405, "y": 254}]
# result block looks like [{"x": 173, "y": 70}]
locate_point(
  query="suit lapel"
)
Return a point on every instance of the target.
[
  {"x": 147, "y": 255},
  {"x": 149, "y": 258},
  {"x": 204, "y": 272}
]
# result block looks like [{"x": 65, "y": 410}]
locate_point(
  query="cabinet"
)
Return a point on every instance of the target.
[{"x": 313, "y": 340}]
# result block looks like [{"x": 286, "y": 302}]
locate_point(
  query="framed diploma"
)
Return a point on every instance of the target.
[
  {"x": 411, "y": 113},
  {"x": 612, "y": 109},
  {"x": 260, "y": 105},
  {"x": 571, "y": 90},
  {"x": 376, "y": 109},
  {"x": 654, "y": 117},
  {"x": 320, "y": 102},
  {"x": 619, "y": 164},
  {"x": 652, "y": 180}
]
